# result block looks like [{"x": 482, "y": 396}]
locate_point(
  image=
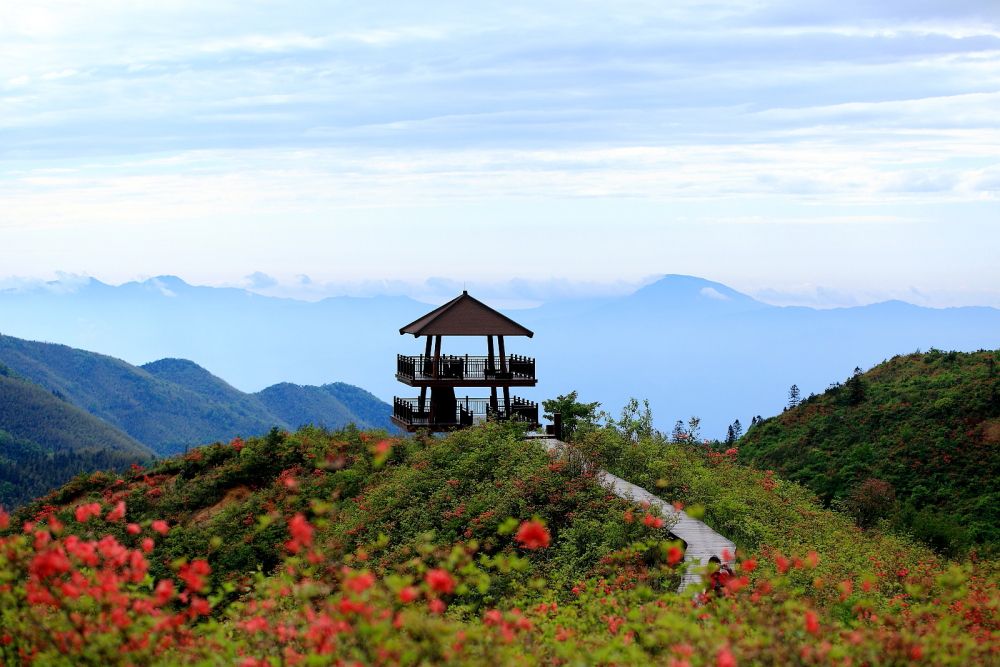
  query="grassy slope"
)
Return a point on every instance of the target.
[
  {"x": 437, "y": 491},
  {"x": 446, "y": 501},
  {"x": 44, "y": 441},
  {"x": 760, "y": 513},
  {"x": 929, "y": 424},
  {"x": 465, "y": 486}
]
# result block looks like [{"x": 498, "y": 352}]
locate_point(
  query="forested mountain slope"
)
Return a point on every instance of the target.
[
  {"x": 915, "y": 440},
  {"x": 44, "y": 441},
  {"x": 172, "y": 404}
]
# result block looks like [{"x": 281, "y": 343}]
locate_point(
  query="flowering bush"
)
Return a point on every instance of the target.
[{"x": 473, "y": 549}]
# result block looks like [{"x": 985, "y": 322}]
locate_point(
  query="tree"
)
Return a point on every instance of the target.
[
  {"x": 737, "y": 430},
  {"x": 635, "y": 424},
  {"x": 870, "y": 501},
  {"x": 678, "y": 434},
  {"x": 793, "y": 396},
  {"x": 855, "y": 388},
  {"x": 694, "y": 428},
  {"x": 574, "y": 413}
]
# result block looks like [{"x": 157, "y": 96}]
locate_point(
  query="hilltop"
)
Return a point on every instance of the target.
[
  {"x": 172, "y": 404},
  {"x": 915, "y": 441},
  {"x": 475, "y": 548},
  {"x": 45, "y": 441}
]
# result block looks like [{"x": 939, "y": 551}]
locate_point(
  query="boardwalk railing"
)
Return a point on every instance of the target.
[
  {"x": 465, "y": 367},
  {"x": 467, "y": 412}
]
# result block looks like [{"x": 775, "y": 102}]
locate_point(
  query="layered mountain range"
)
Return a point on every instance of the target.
[
  {"x": 64, "y": 410},
  {"x": 691, "y": 346}
]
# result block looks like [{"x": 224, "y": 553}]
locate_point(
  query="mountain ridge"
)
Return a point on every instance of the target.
[
  {"x": 671, "y": 344},
  {"x": 169, "y": 404}
]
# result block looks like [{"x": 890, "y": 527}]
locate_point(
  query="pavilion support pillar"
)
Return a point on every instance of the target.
[
  {"x": 422, "y": 403},
  {"x": 506, "y": 401},
  {"x": 493, "y": 401},
  {"x": 425, "y": 367},
  {"x": 503, "y": 355},
  {"x": 437, "y": 356},
  {"x": 490, "y": 360}
]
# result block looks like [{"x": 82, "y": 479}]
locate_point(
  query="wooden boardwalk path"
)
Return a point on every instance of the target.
[{"x": 701, "y": 542}]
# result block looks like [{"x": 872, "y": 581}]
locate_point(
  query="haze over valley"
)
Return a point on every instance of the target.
[{"x": 688, "y": 345}]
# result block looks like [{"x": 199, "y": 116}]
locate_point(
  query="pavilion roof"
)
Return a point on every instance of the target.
[{"x": 465, "y": 316}]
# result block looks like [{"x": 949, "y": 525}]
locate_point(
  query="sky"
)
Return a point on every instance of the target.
[{"x": 803, "y": 151}]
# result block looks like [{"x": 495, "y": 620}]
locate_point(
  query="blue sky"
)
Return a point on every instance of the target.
[{"x": 804, "y": 151}]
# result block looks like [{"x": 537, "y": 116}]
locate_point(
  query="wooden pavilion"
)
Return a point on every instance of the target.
[{"x": 443, "y": 410}]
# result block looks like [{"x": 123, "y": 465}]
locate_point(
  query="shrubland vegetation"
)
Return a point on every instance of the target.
[
  {"x": 913, "y": 442},
  {"x": 477, "y": 548}
]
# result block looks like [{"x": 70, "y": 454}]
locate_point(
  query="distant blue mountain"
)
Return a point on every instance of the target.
[{"x": 691, "y": 346}]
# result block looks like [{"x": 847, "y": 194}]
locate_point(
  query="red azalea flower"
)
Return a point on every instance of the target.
[
  {"x": 408, "y": 595},
  {"x": 674, "y": 555},
  {"x": 118, "y": 513},
  {"x": 781, "y": 563},
  {"x": 193, "y": 574},
  {"x": 439, "y": 580},
  {"x": 85, "y": 512},
  {"x": 360, "y": 583},
  {"x": 724, "y": 658},
  {"x": 533, "y": 535},
  {"x": 301, "y": 532},
  {"x": 812, "y": 622}
]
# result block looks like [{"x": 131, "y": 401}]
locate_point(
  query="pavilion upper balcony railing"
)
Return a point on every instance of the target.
[
  {"x": 468, "y": 411},
  {"x": 465, "y": 368}
]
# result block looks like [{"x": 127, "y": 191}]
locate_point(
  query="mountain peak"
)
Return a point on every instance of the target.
[
  {"x": 691, "y": 291},
  {"x": 171, "y": 364}
]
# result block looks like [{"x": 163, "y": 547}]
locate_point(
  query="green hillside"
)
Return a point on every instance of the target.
[
  {"x": 170, "y": 404},
  {"x": 298, "y": 405},
  {"x": 915, "y": 441},
  {"x": 478, "y": 548},
  {"x": 45, "y": 441}
]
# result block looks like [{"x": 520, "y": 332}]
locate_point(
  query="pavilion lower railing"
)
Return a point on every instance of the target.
[
  {"x": 465, "y": 367},
  {"x": 468, "y": 411}
]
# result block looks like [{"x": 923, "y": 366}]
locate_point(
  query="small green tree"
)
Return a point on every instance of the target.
[
  {"x": 870, "y": 501},
  {"x": 855, "y": 388},
  {"x": 574, "y": 413},
  {"x": 694, "y": 428},
  {"x": 678, "y": 434},
  {"x": 635, "y": 423},
  {"x": 793, "y": 396}
]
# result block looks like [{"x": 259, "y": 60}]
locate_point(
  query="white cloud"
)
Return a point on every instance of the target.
[
  {"x": 137, "y": 119},
  {"x": 260, "y": 281}
]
